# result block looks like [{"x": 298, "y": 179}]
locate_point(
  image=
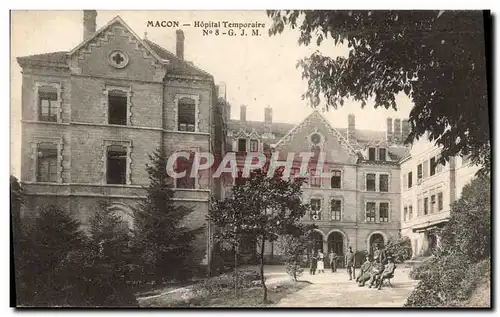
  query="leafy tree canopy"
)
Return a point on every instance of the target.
[{"x": 436, "y": 58}]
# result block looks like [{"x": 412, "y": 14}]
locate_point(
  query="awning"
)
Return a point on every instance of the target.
[{"x": 430, "y": 225}]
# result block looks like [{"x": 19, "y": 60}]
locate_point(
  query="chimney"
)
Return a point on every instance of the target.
[
  {"x": 389, "y": 130},
  {"x": 268, "y": 115},
  {"x": 243, "y": 113},
  {"x": 89, "y": 23},
  {"x": 351, "y": 128},
  {"x": 179, "y": 48},
  {"x": 397, "y": 130},
  {"x": 405, "y": 129}
]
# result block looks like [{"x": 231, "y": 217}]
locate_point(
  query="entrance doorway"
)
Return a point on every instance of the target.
[
  {"x": 431, "y": 243},
  {"x": 336, "y": 244},
  {"x": 376, "y": 239}
]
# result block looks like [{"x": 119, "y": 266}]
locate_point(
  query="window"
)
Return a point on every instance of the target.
[
  {"x": 370, "y": 182},
  {"x": 183, "y": 164},
  {"x": 117, "y": 107},
  {"x": 440, "y": 201},
  {"x": 432, "y": 166},
  {"x": 47, "y": 163},
  {"x": 384, "y": 212},
  {"x": 381, "y": 154},
  {"x": 440, "y": 166},
  {"x": 383, "y": 182},
  {"x": 426, "y": 169},
  {"x": 370, "y": 212},
  {"x": 47, "y": 104},
  {"x": 315, "y": 181},
  {"x": 186, "y": 115},
  {"x": 254, "y": 145},
  {"x": 242, "y": 145},
  {"x": 336, "y": 206},
  {"x": 371, "y": 154},
  {"x": 426, "y": 205},
  {"x": 433, "y": 203},
  {"x": 419, "y": 172},
  {"x": 116, "y": 164},
  {"x": 315, "y": 209},
  {"x": 405, "y": 214},
  {"x": 410, "y": 179},
  {"x": 410, "y": 212},
  {"x": 336, "y": 179}
]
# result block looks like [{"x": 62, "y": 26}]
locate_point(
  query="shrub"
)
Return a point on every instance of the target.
[
  {"x": 245, "y": 279},
  {"x": 399, "y": 248},
  {"x": 293, "y": 248}
]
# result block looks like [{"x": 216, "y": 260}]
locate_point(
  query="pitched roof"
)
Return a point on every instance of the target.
[
  {"x": 59, "y": 58},
  {"x": 117, "y": 20},
  {"x": 176, "y": 65},
  {"x": 278, "y": 128},
  {"x": 316, "y": 115}
]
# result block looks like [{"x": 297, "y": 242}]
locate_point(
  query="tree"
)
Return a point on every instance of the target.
[
  {"x": 469, "y": 230},
  {"x": 436, "y": 58},
  {"x": 165, "y": 244},
  {"x": 293, "y": 248},
  {"x": 48, "y": 241},
  {"x": 263, "y": 208}
]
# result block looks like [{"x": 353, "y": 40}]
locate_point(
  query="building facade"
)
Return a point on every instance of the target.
[
  {"x": 358, "y": 205},
  {"x": 92, "y": 115},
  {"x": 427, "y": 191}
]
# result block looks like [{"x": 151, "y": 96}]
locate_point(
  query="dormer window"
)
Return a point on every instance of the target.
[
  {"x": 371, "y": 154},
  {"x": 382, "y": 154},
  {"x": 254, "y": 145},
  {"x": 242, "y": 145}
]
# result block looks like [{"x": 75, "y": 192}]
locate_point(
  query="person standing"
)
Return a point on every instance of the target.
[
  {"x": 333, "y": 261},
  {"x": 350, "y": 264},
  {"x": 321, "y": 262},
  {"x": 314, "y": 263}
]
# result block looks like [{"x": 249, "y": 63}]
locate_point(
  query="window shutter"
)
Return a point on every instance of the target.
[{"x": 405, "y": 181}]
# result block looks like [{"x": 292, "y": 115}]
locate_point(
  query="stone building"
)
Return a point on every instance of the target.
[
  {"x": 91, "y": 116},
  {"x": 427, "y": 191},
  {"x": 359, "y": 204}
]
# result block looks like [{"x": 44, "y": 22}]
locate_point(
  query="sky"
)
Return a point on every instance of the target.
[{"x": 257, "y": 71}]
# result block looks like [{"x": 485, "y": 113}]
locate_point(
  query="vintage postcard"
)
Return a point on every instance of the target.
[{"x": 286, "y": 158}]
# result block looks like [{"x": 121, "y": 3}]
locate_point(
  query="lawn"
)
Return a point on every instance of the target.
[{"x": 248, "y": 297}]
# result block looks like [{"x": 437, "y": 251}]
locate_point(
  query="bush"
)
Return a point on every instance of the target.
[
  {"x": 463, "y": 259},
  {"x": 440, "y": 283},
  {"x": 293, "y": 248},
  {"x": 244, "y": 278},
  {"x": 399, "y": 248}
]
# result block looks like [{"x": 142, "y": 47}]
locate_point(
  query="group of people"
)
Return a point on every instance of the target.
[
  {"x": 318, "y": 262},
  {"x": 374, "y": 271}
]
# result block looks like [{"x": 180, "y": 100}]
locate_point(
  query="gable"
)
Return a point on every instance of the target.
[
  {"x": 116, "y": 51},
  {"x": 303, "y": 137}
]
